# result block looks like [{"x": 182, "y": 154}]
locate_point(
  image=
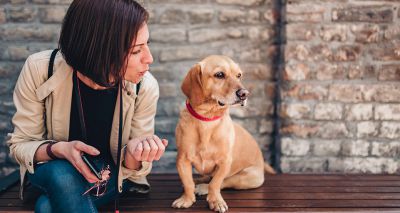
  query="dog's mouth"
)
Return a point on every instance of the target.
[{"x": 241, "y": 102}]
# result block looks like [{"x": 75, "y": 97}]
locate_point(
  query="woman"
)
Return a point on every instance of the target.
[{"x": 104, "y": 55}]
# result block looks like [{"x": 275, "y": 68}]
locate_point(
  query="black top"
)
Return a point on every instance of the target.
[{"x": 98, "y": 110}]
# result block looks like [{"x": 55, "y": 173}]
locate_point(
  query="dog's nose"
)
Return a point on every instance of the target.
[{"x": 242, "y": 93}]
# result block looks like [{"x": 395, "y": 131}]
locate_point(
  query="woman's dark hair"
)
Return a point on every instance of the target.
[{"x": 96, "y": 37}]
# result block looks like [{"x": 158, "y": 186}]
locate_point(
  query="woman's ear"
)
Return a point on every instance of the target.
[{"x": 192, "y": 85}]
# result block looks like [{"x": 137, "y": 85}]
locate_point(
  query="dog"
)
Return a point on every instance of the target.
[{"x": 223, "y": 152}]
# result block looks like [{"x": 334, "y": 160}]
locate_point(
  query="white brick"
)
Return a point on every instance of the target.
[
  {"x": 295, "y": 147},
  {"x": 359, "y": 112},
  {"x": 328, "y": 111},
  {"x": 387, "y": 112}
]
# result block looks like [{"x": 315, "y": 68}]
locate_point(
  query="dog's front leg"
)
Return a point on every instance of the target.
[
  {"x": 214, "y": 197},
  {"x": 188, "y": 197}
]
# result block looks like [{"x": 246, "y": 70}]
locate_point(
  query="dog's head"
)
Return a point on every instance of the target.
[{"x": 216, "y": 78}]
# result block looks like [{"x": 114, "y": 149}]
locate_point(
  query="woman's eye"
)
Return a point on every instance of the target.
[
  {"x": 239, "y": 75},
  {"x": 135, "y": 52},
  {"x": 219, "y": 75}
]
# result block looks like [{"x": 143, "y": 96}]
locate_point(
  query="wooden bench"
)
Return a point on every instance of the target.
[{"x": 280, "y": 193}]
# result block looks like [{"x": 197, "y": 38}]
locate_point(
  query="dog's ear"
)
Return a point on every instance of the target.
[{"x": 191, "y": 85}]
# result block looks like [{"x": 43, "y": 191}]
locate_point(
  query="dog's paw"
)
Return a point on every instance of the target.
[
  {"x": 217, "y": 203},
  {"x": 183, "y": 202},
  {"x": 201, "y": 189}
]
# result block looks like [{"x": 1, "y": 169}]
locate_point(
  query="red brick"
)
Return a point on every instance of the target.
[
  {"x": 300, "y": 32},
  {"x": 389, "y": 51},
  {"x": 330, "y": 71},
  {"x": 346, "y": 93},
  {"x": 366, "y": 33},
  {"x": 296, "y": 72},
  {"x": 306, "y": 92},
  {"x": 389, "y": 92},
  {"x": 390, "y": 72},
  {"x": 303, "y": 130},
  {"x": 346, "y": 53}
]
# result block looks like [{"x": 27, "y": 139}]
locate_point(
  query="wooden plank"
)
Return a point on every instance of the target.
[
  {"x": 278, "y": 203},
  {"x": 261, "y": 196},
  {"x": 353, "y": 210},
  {"x": 311, "y": 177},
  {"x": 143, "y": 203},
  {"x": 284, "y": 196},
  {"x": 231, "y": 209},
  {"x": 363, "y": 177},
  {"x": 192, "y": 209},
  {"x": 332, "y": 183},
  {"x": 274, "y": 189},
  {"x": 304, "y": 183},
  {"x": 16, "y": 210}
]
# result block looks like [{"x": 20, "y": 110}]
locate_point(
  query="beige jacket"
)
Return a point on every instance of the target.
[{"x": 42, "y": 102}]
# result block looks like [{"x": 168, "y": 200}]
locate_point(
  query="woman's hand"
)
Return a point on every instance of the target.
[
  {"x": 147, "y": 148},
  {"x": 72, "y": 151}
]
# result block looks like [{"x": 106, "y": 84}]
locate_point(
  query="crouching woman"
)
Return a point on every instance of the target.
[{"x": 94, "y": 98}]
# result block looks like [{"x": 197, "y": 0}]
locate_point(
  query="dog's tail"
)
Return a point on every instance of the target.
[{"x": 268, "y": 169}]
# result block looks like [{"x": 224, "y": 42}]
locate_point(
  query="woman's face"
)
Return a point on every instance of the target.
[{"x": 140, "y": 57}]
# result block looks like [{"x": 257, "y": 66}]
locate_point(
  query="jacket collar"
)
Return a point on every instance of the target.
[
  {"x": 51, "y": 84},
  {"x": 65, "y": 73}
]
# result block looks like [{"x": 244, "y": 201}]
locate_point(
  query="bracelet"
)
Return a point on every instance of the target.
[{"x": 49, "y": 152}]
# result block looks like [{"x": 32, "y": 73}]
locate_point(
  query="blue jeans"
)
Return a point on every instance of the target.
[{"x": 62, "y": 187}]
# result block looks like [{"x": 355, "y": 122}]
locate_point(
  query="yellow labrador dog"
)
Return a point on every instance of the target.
[{"x": 223, "y": 152}]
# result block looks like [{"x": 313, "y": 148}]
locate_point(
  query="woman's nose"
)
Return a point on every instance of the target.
[{"x": 147, "y": 58}]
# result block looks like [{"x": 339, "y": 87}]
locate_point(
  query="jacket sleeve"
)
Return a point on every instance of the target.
[
  {"x": 28, "y": 120},
  {"x": 143, "y": 124}
]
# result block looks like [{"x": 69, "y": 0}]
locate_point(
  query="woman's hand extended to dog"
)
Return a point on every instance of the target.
[
  {"x": 147, "y": 148},
  {"x": 72, "y": 152}
]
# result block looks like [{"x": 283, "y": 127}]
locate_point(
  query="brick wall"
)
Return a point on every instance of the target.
[
  {"x": 182, "y": 33},
  {"x": 340, "y": 87},
  {"x": 341, "y": 91}
]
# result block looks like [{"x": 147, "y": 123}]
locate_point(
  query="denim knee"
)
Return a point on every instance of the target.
[
  {"x": 64, "y": 185},
  {"x": 43, "y": 205}
]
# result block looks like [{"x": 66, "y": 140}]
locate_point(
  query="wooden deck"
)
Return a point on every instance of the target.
[{"x": 280, "y": 193}]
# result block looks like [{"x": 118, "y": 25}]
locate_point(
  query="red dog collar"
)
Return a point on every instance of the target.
[{"x": 196, "y": 115}]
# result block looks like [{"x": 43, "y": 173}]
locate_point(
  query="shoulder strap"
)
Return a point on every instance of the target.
[
  {"x": 51, "y": 63},
  {"x": 49, "y": 74}
]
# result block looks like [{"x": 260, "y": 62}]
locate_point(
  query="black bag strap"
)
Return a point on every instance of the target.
[{"x": 51, "y": 63}]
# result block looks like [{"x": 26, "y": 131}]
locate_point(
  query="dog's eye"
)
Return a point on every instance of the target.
[
  {"x": 239, "y": 75},
  {"x": 220, "y": 75}
]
